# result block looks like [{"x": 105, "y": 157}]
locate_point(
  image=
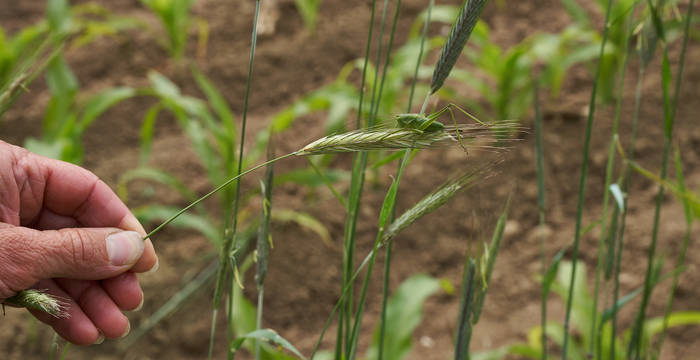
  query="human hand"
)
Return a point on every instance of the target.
[{"x": 64, "y": 230}]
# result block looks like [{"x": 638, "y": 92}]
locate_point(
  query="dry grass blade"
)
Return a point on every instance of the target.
[
  {"x": 476, "y": 136},
  {"x": 41, "y": 301},
  {"x": 455, "y": 42}
]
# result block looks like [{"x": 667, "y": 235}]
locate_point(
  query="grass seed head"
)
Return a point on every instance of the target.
[{"x": 40, "y": 300}]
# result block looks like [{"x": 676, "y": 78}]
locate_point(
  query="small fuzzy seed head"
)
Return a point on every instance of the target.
[{"x": 40, "y": 300}]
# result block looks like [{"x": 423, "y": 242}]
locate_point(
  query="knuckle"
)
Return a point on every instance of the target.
[
  {"x": 17, "y": 261},
  {"x": 75, "y": 247}
]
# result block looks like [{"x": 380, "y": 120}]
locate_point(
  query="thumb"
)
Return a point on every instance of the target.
[{"x": 76, "y": 253}]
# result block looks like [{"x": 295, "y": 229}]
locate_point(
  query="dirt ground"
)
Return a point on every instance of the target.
[{"x": 304, "y": 275}]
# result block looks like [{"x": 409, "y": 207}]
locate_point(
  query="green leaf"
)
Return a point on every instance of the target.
[
  {"x": 148, "y": 173},
  {"x": 58, "y": 13},
  {"x": 404, "y": 312},
  {"x": 308, "y": 10},
  {"x": 309, "y": 177},
  {"x": 218, "y": 103},
  {"x": 267, "y": 335},
  {"x": 100, "y": 102},
  {"x": 191, "y": 221},
  {"x": 304, "y": 220},
  {"x": 655, "y": 325},
  {"x": 147, "y": 131}
]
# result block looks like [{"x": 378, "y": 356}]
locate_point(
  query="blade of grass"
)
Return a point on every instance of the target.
[
  {"x": 403, "y": 162},
  {"x": 264, "y": 241},
  {"x": 465, "y": 311},
  {"x": 670, "y": 105},
  {"x": 608, "y": 180},
  {"x": 680, "y": 260},
  {"x": 582, "y": 182},
  {"x": 539, "y": 165},
  {"x": 353, "y": 202},
  {"x": 229, "y": 238}
]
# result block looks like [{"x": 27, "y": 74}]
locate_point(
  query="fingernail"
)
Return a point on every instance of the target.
[
  {"x": 155, "y": 267},
  {"x": 128, "y": 328},
  {"x": 124, "y": 248},
  {"x": 138, "y": 308},
  {"x": 100, "y": 339}
]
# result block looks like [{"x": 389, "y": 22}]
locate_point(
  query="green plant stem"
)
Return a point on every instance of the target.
[
  {"x": 606, "y": 194},
  {"x": 374, "y": 109},
  {"x": 669, "y": 117},
  {"x": 404, "y": 160},
  {"x": 354, "y": 194},
  {"x": 328, "y": 183},
  {"x": 230, "y": 239},
  {"x": 217, "y": 189},
  {"x": 541, "y": 211},
  {"x": 582, "y": 182},
  {"x": 258, "y": 320}
]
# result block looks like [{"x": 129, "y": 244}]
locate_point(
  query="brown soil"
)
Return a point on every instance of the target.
[{"x": 304, "y": 274}]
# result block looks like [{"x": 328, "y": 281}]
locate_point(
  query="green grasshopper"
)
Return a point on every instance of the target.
[{"x": 429, "y": 123}]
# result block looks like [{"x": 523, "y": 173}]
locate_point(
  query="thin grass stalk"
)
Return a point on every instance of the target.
[
  {"x": 486, "y": 267},
  {"x": 608, "y": 180},
  {"x": 465, "y": 325},
  {"x": 354, "y": 196},
  {"x": 54, "y": 345},
  {"x": 371, "y": 121},
  {"x": 231, "y": 227},
  {"x": 425, "y": 206},
  {"x": 356, "y": 189},
  {"x": 384, "y": 218},
  {"x": 539, "y": 151},
  {"x": 680, "y": 260},
  {"x": 217, "y": 189},
  {"x": 264, "y": 241},
  {"x": 616, "y": 290},
  {"x": 582, "y": 182},
  {"x": 618, "y": 242},
  {"x": 351, "y": 206},
  {"x": 670, "y": 106},
  {"x": 404, "y": 160}
]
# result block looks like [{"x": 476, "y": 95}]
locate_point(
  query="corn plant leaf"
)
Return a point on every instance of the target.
[
  {"x": 267, "y": 335},
  {"x": 100, "y": 102},
  {"x": 308, "y": 10},
  {"x": 59, "y": 16},
  {"x": 404, "y": 312},
  {"x": 304, "y": 220},
  {"x": 146, "y": 133},
  {"x": 152, "y": 174},
  {"x": 218, "y": 103},
  {"x": 309, "y": 177},
  {"x": 655, "y": 325},
  {"x": 191, "y": 221}
]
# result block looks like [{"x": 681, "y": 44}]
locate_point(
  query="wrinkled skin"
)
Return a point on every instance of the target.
[{"x": 54, "y": 218}]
